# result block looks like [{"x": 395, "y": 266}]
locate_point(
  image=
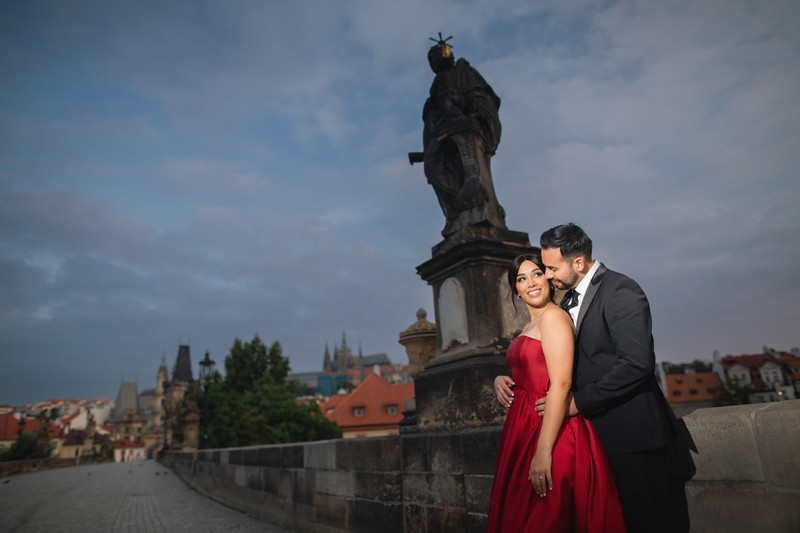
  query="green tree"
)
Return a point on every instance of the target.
[
  {"x": 254, "y": 404},
  {"x": 23, "y": 449},
  {"x": 734, "y": 393}
]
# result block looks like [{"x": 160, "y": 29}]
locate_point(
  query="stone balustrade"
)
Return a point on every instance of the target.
[{"x": 748, "y": 477}]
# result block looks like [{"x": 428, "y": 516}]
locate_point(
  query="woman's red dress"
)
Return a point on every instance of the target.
[{"x": 584, "y": 496}]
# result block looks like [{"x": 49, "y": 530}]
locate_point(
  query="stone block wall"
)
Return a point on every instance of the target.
[
  {"x": 748, "y": 468},
  {"x": 748, "y": 477}
]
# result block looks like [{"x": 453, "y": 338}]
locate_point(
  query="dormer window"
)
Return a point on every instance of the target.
[
  {"x": 391, "y": 409},
  {"x": 358, "y": 411}
]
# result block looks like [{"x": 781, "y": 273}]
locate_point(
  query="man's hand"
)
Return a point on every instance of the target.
[
  {"x": 573, "y": 409},
  {"x": 503, "y": 388}
]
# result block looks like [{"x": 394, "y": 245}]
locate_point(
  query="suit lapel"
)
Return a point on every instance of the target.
[{"x": 597, "y": 279}]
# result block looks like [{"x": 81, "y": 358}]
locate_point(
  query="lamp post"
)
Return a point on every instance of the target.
[
  {"x": 206, "y": 370},
  {"x": 20, "y": 431},
  {"x": 165, "y": 405}
]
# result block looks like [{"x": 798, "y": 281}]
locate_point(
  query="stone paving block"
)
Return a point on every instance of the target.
[
  {"x": 781, "y": 421},
  {"x": 379, "y": 486},
  {"x": 332, "y": 511},
  {"x": 742, "y": 508},
  {"x": 726, "y": 444},
  {"x": 303, "y": 484},
  {"x": 283, "y": 456},
  {"x": 479, "y": 448},
  {"x": 414, "y": 518},
  {"x": 320, "y": 455},
  {"x": 240, "y": 476},
  {"x": 370, "y": 454},
  {"x": 415, "y": 453},
  {"x": 140, "y": 497},
  {"x": 442, "y": 490},
  {"x": 372, "y": 517},
  {"x": 445, "y": 453},
  {"x": 476, "y": 523},
  {"x": 478, "y": 491},
  {"x": 336, "y": 483},
  {"x": 446, "y": 519}
]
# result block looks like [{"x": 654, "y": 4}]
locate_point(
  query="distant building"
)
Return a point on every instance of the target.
[
  {"x": 10, "y": 427},
  {"x": 180, "y": 394},
  {"x": 126, "y": 450},
  {"x": 688, "y": 386},
  {"x": 773, "y": 375},
  {"x": 344, "y": 371},
  {"x": 127, "y": 418},
  {"x": 374, "y": 408}
]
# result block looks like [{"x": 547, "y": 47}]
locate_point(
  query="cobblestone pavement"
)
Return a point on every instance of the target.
[{"x": 139, "y": 497}]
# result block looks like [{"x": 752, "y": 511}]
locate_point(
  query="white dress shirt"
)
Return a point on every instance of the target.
[{"x": 581, "y": 289}]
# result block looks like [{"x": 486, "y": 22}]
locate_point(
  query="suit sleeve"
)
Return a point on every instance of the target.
[{"x": 626, "y": 314}]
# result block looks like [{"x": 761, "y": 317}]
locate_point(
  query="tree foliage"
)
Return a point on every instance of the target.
[
  {"x": 24, "y": 448},
  {"x": 254, "y": 404},
  {"x": 734, "y": 393}
]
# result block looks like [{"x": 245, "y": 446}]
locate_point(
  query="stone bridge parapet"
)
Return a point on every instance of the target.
[{"x": 748, "y": 477}]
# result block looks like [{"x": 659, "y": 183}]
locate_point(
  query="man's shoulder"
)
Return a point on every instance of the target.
[
  {"x": 612, "y": 278},
  {"x": 618, "y": 284}
]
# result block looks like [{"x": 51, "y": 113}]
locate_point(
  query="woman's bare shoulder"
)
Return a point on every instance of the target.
[{"x": 556, "y": 318}]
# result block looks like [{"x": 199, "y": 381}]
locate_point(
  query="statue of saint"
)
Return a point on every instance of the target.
[{"x": 461, "y": 134}]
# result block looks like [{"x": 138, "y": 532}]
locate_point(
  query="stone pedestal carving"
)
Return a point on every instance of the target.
[
  {"x": 419, "y": 340},
  {"x": 475, "y": 323}
]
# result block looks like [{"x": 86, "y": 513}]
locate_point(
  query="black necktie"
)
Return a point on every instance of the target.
[{"x": 570, "y": 300}]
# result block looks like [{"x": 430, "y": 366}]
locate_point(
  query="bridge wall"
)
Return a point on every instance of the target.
[{"x": 748, "y": 477}]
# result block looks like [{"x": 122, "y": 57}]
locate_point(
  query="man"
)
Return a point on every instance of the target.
[{"x": 614, "y": 383}]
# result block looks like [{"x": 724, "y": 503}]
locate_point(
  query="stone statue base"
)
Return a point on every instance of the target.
[{"x": 475, "y": 322}]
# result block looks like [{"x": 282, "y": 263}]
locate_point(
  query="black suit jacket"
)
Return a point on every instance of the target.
[{"x": 614, "y": 368}]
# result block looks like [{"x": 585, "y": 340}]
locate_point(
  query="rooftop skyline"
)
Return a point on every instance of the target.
[{"x": 187, "y": 173}]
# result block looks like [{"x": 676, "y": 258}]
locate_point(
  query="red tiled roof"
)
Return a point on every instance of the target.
[
  {"x": 789, "y": 359},
  {"x": 67, "y": 419},
  {"x": 9, "y": 427},
  {"x": 127, "y": 443},
  {"x": 747, "y": 361},
  {"x": 372, "y": 397},
  {"x": 697, "y": 387},
  {"x": 754, "y": 362}
]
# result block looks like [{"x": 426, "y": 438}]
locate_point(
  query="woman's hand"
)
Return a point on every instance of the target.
[
  {"x": 503, "y": 388},
  {"x": 540, "y": 474}
]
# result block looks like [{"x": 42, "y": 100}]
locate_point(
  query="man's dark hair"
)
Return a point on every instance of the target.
[{"x": 570, "y": 240}]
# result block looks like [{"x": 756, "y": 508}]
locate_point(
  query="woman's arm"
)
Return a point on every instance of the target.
[{"x": 558, "y": 345}]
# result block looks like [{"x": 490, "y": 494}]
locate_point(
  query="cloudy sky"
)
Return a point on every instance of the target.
[{"x": 192, "y": 172}]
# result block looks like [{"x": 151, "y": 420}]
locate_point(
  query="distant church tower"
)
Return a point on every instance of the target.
[
  {"x": 327, "y": 365},
  {"x": 342, "y": 356},
  {"x": 158, "y": 403}
]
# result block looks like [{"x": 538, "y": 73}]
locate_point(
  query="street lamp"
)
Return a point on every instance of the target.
[
  {"x": 20, "y": 431},
  {"x": 206, "y": 371},
  {"x": 165, "y": 405}
]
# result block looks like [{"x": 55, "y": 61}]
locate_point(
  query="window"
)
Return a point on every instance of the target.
[
  {"x": 712, "y": 390},
  {"x": 358, "y": 411},
  {"x": 692, "y": 392},
  {"x": 391, "y": 410},
  {"x": 676, "y": 393},
  {"x": 679, "y": 381},
  {"x": 699, "y": 380}
]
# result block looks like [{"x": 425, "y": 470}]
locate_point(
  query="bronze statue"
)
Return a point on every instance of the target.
[{"x": 462, "y": 131}]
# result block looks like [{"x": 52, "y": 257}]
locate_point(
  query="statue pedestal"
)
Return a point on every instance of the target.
[{"x": 475, "y": 322}]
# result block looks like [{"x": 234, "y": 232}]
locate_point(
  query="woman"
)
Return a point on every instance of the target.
[{"x": 551, "y": 474}]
